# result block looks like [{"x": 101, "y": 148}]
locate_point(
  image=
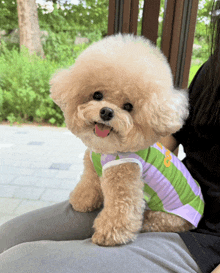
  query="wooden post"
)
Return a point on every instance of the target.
[{"x": 123, "y": 16}]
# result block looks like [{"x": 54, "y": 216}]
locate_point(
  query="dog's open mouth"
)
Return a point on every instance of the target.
[{"x": 102, "y": 130}]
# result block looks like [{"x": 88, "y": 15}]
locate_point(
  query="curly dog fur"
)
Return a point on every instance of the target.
[{"x": 125, "y": 69}]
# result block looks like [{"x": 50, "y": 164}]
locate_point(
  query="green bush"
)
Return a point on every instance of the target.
[
  {"x": 24, "y": 86},
  {"x": 24, "y": 80},
  {"x": 61, "y": 48},
  {"x": 1, "y": 104}
]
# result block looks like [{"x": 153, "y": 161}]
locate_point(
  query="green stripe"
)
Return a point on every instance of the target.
[
  {"x": 144, "y": 154},
  {"x": 173, "y": 175},
  {"x": 96, "y": 158},
  {"x": 154, "y": 203}
]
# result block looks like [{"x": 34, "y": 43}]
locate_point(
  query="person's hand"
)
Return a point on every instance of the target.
[{"x": 216, "y": 270}]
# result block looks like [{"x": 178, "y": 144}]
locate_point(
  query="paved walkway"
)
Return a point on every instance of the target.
[{"x": 39, "y": 166}]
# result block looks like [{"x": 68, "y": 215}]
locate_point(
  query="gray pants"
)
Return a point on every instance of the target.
[{"x": 56, "y": 239}]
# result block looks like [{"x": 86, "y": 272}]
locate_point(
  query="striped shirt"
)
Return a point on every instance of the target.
[{"x": 168, "y": 185}]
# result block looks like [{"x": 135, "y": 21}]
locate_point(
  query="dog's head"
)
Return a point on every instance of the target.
[{"x": 119, "y": 95}]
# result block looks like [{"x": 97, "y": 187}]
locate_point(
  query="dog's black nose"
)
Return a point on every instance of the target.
[{"x": 106, "y": 113}]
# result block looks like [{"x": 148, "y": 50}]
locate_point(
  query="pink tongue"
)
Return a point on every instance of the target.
[{"x": 101, "y": 133}]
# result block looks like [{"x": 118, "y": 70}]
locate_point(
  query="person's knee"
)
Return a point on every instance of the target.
[{"x": 6, "y": 237}]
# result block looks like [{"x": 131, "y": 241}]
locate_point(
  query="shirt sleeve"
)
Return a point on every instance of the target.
[{"x": 121, "y": 161}]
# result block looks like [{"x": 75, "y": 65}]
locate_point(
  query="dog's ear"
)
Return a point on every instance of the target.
[
  {"x": 60, "y": 85},
  {"x": 168, "y": 113}
]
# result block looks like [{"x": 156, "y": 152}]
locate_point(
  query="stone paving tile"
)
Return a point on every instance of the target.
[
  {"x": 35, "y": 143},
  {"x": 32, "y": 193},
  {"x": 7, "y": 178},
  {"x": 42, "y": 182},
  {"x": 22, "y": 132},
  {"x": 46, "y": 182},
  {"x": 2, "y": 145},
  {"x": 29, "y": 205},
  {"x": 24, "y": 149},
  {"x": 41, "y": 164},
  {"x": 55, "y": 195},
  {"x": 45, "y": 173},
  {"x": 26, "y": 180},
  {"x": 68, "y": 184},
  {"x": 8, "y": 205},
  {"x": 31, "y": 156},
  {"x": 69, "y": 174},
  {"x": 15, "y": 170},
  {"x": 60, "y": 166},
  {"x": 7, "y": 190},
  {"x": 77, "y": 168}
]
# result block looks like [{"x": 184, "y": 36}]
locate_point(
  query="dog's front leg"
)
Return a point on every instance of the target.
[
  {"x": 87, "y": 195},
  {"x": 122, "y": 215}
]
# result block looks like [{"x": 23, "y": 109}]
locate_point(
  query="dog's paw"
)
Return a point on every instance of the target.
[
  {"x": 112, "y": 237},
  {"x": 110, "y": 232},
  {"x": 85, "y": 200}
]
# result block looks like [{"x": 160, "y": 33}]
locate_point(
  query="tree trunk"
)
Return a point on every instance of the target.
[{"x": 29, "y": 29}]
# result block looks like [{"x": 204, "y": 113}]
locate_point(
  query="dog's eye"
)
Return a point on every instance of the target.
[
  {"x": 128, "y": 107},
  {"x": 97, "y": 96}
]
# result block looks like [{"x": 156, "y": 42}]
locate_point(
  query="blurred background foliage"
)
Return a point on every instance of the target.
[{"x": 24, "y": 79}]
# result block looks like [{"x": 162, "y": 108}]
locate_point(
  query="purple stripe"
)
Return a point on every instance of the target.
[
  {"x": 107, "y": 158},
  {"x": 189, "y": 213},
  {"x": 182, "y": 168},
  {"x": 171, "y": 201},
  {"x": 162, "y": 186}
]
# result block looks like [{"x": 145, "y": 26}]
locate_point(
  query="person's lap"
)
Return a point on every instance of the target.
[{"x": 57, "y": 239}]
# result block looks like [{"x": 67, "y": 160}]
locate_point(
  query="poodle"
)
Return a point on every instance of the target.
[{"x": 119, "y": 99}]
